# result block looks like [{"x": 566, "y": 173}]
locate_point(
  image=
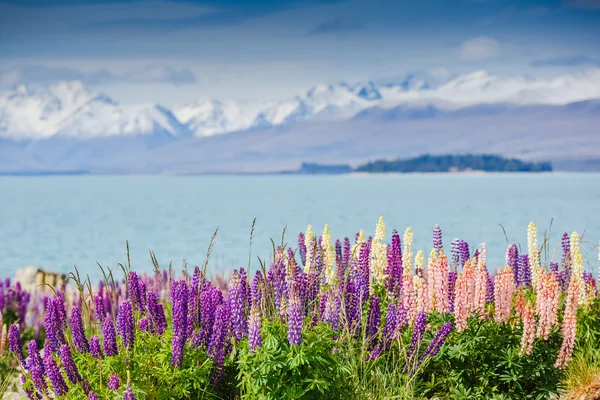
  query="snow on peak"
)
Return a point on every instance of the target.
[{"x": 71, "y": 109}]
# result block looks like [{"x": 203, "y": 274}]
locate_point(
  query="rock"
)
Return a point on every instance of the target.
[{"x": 33, "y": 278}]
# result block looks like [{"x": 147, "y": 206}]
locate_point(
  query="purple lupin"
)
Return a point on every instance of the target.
[
  {"x": 58, "y": 383},
  {"x": 437, "y": 239},
  {"x": 99, "y": 307},
  {"x": 80, "y": 342},
  {"x": 524, "y": 270},
  {"x": 463, "y": 248},
  {"x": 14, "y": 343},
  {"x": 436, "y": 343},
  {"x": 66, "y": 359},
  {"x": 95, "y": 348},
  {"x": 373, "y": 320},
  {"x": 417, "y": 336},
  {"x": 346, "y": 255},
  {"x": 254, "y": 327},
  {"x": 390, "y": 324},
  {"x": 238, "y": 306},
  {"x": 294, "y": 316},
  {"x": 114, "y": 383},
  {"x": 110, "y": 337},
  {"x": 125, "y": 325},
  {"x": 302, "y": 248}
]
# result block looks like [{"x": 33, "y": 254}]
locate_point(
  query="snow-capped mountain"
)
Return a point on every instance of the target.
[{"x": 69, "y": 109}]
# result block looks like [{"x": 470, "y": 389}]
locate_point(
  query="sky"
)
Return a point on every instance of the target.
[{"x": 177, "y": 51}]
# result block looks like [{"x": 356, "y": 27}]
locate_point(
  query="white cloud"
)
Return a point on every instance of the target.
[
  {"x": 44, "y": 75},
  {"x": 480, "y": 48}
]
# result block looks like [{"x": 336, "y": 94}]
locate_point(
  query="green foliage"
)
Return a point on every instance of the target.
[
  {"x": 278, "y": 370},
  {"x": 148, "y": 366},
  {"x": 483, "y": 362},
  {"x": 446, "y": 163}
]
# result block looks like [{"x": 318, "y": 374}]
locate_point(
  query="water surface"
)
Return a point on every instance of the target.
[{"x": 60, "y": 222}]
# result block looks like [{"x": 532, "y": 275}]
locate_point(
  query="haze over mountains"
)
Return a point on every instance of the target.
[{"x": 68, "y": 126}]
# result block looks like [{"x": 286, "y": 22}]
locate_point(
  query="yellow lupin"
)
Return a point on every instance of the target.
[
  {"x": 309, "y": 242},
  {"x": 378, "y": 255},
  {"x": 330, "y": 262}
]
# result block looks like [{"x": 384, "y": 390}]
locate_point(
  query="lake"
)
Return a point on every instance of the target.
[{"x": 64, "y": 221}]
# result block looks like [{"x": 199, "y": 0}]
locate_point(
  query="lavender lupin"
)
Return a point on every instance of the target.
[
  {"x": 463, "y": 252},
  {"x": 58, "y": 383},
  {"x": 302, "y": 248},
  {"x": 34, "y": 356},
  {"x": 128, "y": 395},
  {"x": 294, "y": 316},
  {"x": 238, "y": 306},
  {"x": 524, "y": 271},
  {"x": 68, "y": 364},
  {"x": 99, "y": 306},
  {"x": 436, "y": 343},
  {"x": 14, "y": 343},
  {"x": 80, "y": 342},
  {"x": 125, "y": 325},
  {"x": 110, "y": 337},
  {"x": 95, "y": 348},
  {"x": 114, "y": 383},
  {"x": 437, "y": 239},
  {"x": 390, "y": 324},
  {"x": 346, "y": 255},
  {"x": 373, "y": 320},
  {"x": 417, "y": 336},
  {"x": 455, "y": 244}
]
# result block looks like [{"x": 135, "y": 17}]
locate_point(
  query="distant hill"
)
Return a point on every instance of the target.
[{"x": 455, "y": 163}]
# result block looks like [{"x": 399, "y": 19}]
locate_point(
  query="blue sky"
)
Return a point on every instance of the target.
[{"x": 274, "y": 48}]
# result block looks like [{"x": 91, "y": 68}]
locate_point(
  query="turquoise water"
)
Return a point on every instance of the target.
[{"x": 60, "y": 222}]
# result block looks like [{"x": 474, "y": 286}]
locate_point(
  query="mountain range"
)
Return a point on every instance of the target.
[{"x": 68, "y": 126}]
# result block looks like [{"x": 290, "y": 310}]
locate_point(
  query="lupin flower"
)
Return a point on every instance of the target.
[
  {"x": 528, "y": 317},
  {"x": 310, "y": 244},
  {"x": 524, "y": 271},
  {"x": 417, "y": 336},
  {"x": 80, "y": 342},
  {"x": 346, "y": 255},
  {"x": 438, "y": 340},
  {"x": 238, "y": 306},
  {"x": 455, "y": 246},
  {"x": 58, "y": 382},
  {"x": 39, "y": 381},
  {"x": 294, "y": 316},
  {"x": 547, "y": 302},
  {"x": 110, "y": 337},
  {"x": 407, "y": 254},
  {"x": 504, "y": 288},
  {"x": 302, "y": 247},
  {"x": 217, "y": 340},
  {"x": 177, "y": 344},
  {"x": 144, "y": 324},
  {"x": 114, "y": 383},
  {"x": 125, "y": 325},
  {"x": 68, "y": 364},
  {"x": 390, "y": 323},
  {"x": 330, "y": 257},
  {"x": 14, "y": 343},
  {"x": 577, "y": 266},
  {"x": 534, "y": 253},
  {"x": 463, "y": 251},
  {"x": 394, "y": 267},
  {"x": 451, "y": 285},
  {"x": 99, "y": 307},
  {"x": 95, "y": 348},
  {"x": 569, "y": 327},
  {"x": 419, "y": 264},
  {"x": 128, "y": 395},
  {"x": 373, "y": 320},
  {"x": 437, "y": 239},
  {"x": 378, "y": 256},
  {"x": 92, "y": 396},
  {"x": 254, "y": 327},
  {"x": 34, "y": 356}
]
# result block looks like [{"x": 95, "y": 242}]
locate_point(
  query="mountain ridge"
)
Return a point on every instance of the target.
[{"x": 72, "y": 109}]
